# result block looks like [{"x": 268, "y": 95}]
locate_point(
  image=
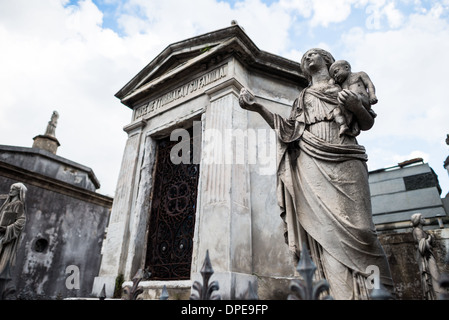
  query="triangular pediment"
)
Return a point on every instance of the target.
[
  {"x": 173, "y": 58},
  {"x": 195, "y": 54}
]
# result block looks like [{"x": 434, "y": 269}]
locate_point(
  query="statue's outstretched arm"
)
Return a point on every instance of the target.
[{"x": 247, "y": 102}]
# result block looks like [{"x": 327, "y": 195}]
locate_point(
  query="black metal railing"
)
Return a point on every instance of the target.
[{"x": 301, "y": 289}]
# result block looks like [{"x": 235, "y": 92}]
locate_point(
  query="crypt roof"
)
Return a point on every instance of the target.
[
  {"x": 195, "y": 54},
  {"x": 48, "y": 164}
]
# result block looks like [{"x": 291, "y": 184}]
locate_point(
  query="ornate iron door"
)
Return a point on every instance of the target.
[{"x": 172, "y": 216}]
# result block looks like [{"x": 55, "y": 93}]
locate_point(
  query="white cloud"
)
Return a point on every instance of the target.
[
  {"x": 321, "y": 13},
  {"x": 381, "y": 14},
  {"x": 408, "y": 68},
  {"x": 409, "y": 71},
  {"x": 412, "y": 155},
  {"x": 302, "y": 7},
  {"x": 329, "y": 11},
  {"x": 57, "y": 58},
  {"x": 173, "y": 20},
  {"x": 326, "y": 12},
  {"x": 381, "y": 156},
  {"x": 394, "y": 16},
  {"x": 294, "y": 55}
]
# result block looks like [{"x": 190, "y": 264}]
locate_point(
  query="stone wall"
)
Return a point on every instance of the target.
[
  {"x": 62, "y": 239},
  {"x": 402, "y": 254}
]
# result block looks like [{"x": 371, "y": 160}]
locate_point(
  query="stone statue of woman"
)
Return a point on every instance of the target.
[
  {"x": 430, "y": 273},
  {"x": 51, "y": 126},
  {"x": 322, "y": 185},
  {"x": 12, "y": 222}
]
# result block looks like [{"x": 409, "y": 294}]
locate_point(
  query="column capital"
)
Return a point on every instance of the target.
[
  {"x": 231, "y": 86},
  {"x": 135, "y": 126}
]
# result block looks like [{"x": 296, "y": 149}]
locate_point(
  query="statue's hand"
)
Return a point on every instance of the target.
[
  {"x": 246, "y": 100},
  {"x": 350, "y": 100}
]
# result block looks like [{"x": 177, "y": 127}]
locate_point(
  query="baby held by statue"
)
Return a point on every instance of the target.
[{"x": 358, "y": 82}]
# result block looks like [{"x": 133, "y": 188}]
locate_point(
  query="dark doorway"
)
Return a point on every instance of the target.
[{"x": 172, "y": 215}]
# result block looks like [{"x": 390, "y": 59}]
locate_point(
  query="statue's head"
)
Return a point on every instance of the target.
[
  {"x": 314, "y": 57},
  {"x": 340, "y": 70},
  {"x": 416, "y": 219},
  {"x": 18, "y": 189},
  {"x": 54, "y": 116}
]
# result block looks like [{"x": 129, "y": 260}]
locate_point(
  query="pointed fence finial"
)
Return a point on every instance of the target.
[
  {"x": 250, "y": 293},
  {"x": 132, "y": 292},
  {"x": 205, "y": 291},
  {"x": 307, "y": 289},
  {"x": 102, "y": 295},
  {"x": 164, "y": 294},
  {"x": 380, "y": 294}
]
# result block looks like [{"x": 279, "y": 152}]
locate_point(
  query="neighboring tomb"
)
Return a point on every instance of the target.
[
  {"x": 400, "y": 191},
  {"x": 60, "y": 250}
]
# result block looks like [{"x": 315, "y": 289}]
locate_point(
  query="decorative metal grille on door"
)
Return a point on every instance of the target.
[{"x": 172, "y": 216}]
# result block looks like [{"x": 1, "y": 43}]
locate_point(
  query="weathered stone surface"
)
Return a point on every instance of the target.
[
  {"x": 48, "y": 140},
  {"x": 51, "y": 165},
  {"x": 402, "y": 255},
  {"x": 47, "y": 143},
  {"x": 199, "y": 79},
  {"x": 65, "y": 227}
]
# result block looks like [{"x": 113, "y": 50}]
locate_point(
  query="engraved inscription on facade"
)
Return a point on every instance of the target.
[{"x": 157, "y": 105}]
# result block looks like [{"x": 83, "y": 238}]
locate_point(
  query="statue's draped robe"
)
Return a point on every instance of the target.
[
  {"x": 428, "y": 266},
  {"x": 324, "y": 196},
  {"x": 12, "y": 216}
]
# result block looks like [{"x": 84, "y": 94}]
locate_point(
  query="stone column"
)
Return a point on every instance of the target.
[
  {"x": 115, "y": 246},
  {"x": 224, "y": 215},
  {"x": 140, "y": 209}
]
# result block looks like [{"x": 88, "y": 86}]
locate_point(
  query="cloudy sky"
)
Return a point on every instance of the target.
[{"x": 73, "y": 56}]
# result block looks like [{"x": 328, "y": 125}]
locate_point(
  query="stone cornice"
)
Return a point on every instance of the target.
[
  {"x": 32, "y": 178},
  {"x": 52, "y": 157}
]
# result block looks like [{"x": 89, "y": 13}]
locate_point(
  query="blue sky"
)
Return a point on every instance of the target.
[{"x": 73, "y": 56}]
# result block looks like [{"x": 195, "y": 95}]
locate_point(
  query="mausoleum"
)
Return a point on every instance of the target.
[
  {"x": 59, "y": 252},
  {"x": 223, "y": 198}
]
